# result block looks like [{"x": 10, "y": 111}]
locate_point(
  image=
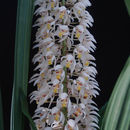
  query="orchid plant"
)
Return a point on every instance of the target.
[{"x": 65, "y": 69}]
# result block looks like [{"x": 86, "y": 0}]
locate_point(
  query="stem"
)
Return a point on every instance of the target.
[
  {"x": 63, "y": 2},
  {"x": 64, "y": 50},
  {"x": 64, "y": 110}
]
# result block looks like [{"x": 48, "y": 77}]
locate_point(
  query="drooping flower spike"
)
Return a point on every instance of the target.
[{"x": 65, "y": 69}]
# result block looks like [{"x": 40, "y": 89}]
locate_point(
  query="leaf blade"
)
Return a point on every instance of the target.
[
  {"x": 127, "y": 3},
  {"x": 115, "y": 105},
  {"x": 22, "y": 47}
]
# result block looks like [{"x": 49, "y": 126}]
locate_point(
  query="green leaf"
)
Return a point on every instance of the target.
[
  {"x": 117, "y": 112},
  {"x": 101, "y": 113},
  {"x": 24, "y": 105},
  {"x": 127, "y": 3},
  {"x": 1, "y": 113},
  {"x": 21, "y": 65},
  {"x": 124, "y": 120}
]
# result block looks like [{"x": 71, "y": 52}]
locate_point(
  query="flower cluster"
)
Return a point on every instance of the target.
[{"x": 65, "y": 69}]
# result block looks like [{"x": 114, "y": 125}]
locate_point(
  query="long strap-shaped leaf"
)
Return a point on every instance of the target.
[
  {"x": 24, "y": 106},
  {"x": 1, "y": 113},
  {"x": 127, "y": 2},
  {"x": 21, "y": 65},
  {"x": 101, "y": 113},
  {"x": 117, "y": 112}
]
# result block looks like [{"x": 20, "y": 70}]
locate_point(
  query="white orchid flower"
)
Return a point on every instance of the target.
[
  {"x": 88, "y": 44},
  {"x": 64, "y": 102},
  {"x": 59, "y": 73},
  {"x": 50, "y": 58},
  {"x": 62, "y": 32},
  {"x": 70, "y": 2},
  {"x": 39, "y": 124},
  {"x": 46, "y": 25},
  {"x": 85, "y": 2},
  {"x": 86, "y": 23},
  {"x": 77, "y": 113},
  {"x": 62, "y": 14},
  {"x": 38, "y": 2},
  {"x": 78, "y": 67},
  {"x": 80, "y": 82},
  {"x": 78, "y": 31},
  {"x": 57, "y": 86},
  {"x": 46, "y": 22},
  {"x": 85, "y": 96},
  {"x": 77, "y": 88},
  {"x": 43, "y": 43},
  {"x": 71, "y": 125},
  {"x": 80, "y": 51},
  {"x": 40, "y": 78},
  {"x": 41, "y": 36},
  {"x": 52, "y": 4},
  {"x": 41, "y": 96},
  {"x": 47, "y": 45},
  {"x": 42, "y": 10},
  {"x": 69, "y": 62},
  {"x": 57, "y": 117},
  {"x": 41, "y": 113},
  {"x": 90, "y": 70},
  {"x": 85, "y": 76},
  {"x": 87, "y": 60},
  {"x": 90, "y": 122},
  {"x": 39, "y": 57},
  {"x": 79, "y": 10}
]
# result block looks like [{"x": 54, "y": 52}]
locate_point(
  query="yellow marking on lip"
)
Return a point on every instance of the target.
[
  {"x": 61, "y": 15},
  {"x": 37, "y": 101},
  {"x": 85, "y": 95},
  {"x": 57, "y": 117},
  {"x": 38, "y": 85},
  {"x": 61, "y": 34},
  {"x": 68, "y": 65},
  {"x": 64, "y": 104},
  {"x": 79, "y": 12},
  {"x": 55, "y": 90},
  {"x": 79, "y": 55},
  {"x": 79, "y": 88},
  {"x": 49, "y": 62},
  {"x": 52, "y": 4},
  {"x": 77, "y": 34},
  {"x": 48, "y": 26},
  {"x": 86, "y": 78},
  {"x": 42, "y": 75},
  {"x": 87, "y": 63},
  {"x": 48, "y": 49},
  {"x": 58, "y": 76}
]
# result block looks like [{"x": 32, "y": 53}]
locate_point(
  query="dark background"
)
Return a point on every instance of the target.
[{"x": 111, "y": 30}]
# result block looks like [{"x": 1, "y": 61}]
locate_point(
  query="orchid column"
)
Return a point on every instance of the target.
[{"x": 65, "y": 73}]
